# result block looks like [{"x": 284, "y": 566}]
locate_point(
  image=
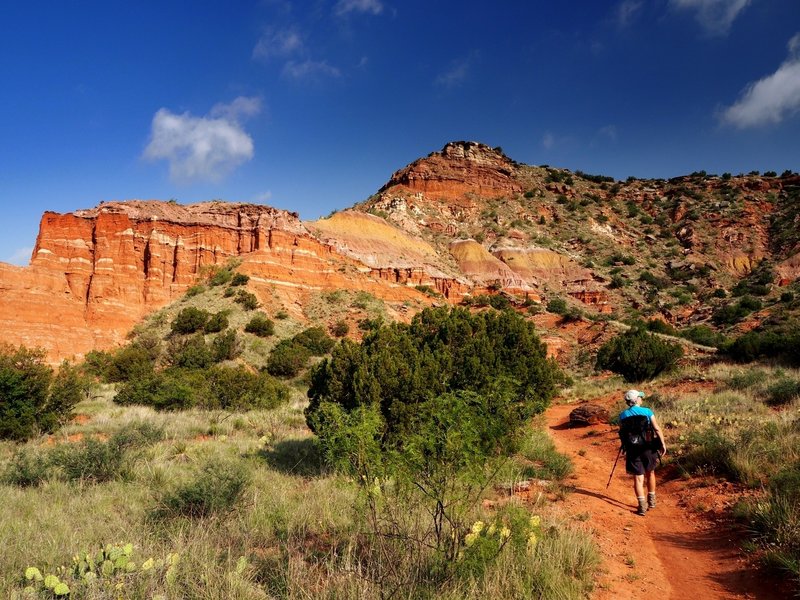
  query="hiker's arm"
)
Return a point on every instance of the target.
[{"x": 660, "y": 435}]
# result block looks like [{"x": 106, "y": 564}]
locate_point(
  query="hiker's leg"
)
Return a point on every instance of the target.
[
  {"x": 651, "y": 482},
  {"x": 638, "y": 488},
  {"x": 638, "y": 485}
]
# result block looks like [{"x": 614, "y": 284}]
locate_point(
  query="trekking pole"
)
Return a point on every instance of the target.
[{"x": 615, "y": 467}]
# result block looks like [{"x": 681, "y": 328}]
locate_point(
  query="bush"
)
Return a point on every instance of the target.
[
  {"x": 91, "y": 461},
  {"x": 260, "y": 325},
  {"x": 28, "y": 467},
  {"x": 131, "y": 362},
  {"x": 287, "y": 359},
  {"x": 195, "y": 290},
  {"x": 226, "y": 346},
  {"x": 190, "y": 320},
  {"x": 32, "y": 398},
  {"x": 340, "y": 329},
  {"x": 316, "y": 340},
  {"x": 247, "y": 300},
  {"x": 398, "y": 366},
  {"x": 220, "y": 277},
  {"x": 783, "y": 342},
  {"x": 557, "y": 306},
  {"x": 238, "y": 388},
  {"x": 216, "y": 488},
  {"x": 217, "y": 322},
  {"x": 703, "y": 335},
  {"x": 189, "y": 352},
  {"x": 782, "y": 392},
  {"x": 240, "y": 279},
  {"x": 638, "y": 355}
]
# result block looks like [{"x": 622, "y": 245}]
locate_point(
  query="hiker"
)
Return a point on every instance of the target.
[{"x": 643, "y": 445}]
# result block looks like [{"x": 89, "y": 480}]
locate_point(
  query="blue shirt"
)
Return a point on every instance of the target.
[{"x": 636, "y": 411}]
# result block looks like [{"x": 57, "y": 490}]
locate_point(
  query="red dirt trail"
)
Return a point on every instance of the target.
[{"x": 673, "y": 552}]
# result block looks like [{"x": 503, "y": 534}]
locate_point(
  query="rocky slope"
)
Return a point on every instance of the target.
[{"x": 463, "y": 221}]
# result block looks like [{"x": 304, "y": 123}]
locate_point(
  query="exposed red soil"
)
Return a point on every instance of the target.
[{"x": 687, "y": 547}]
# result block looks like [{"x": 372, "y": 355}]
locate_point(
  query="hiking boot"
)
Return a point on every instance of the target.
[
  {"x": 642, "y": 510},
  {"x": 651, "y": 501}
]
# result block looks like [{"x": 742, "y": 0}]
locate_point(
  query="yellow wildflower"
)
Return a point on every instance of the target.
[
  {"x": 535, "y": 521},
  {"x": 477, "y": 527},
  {"x": 470, "y": 538},
  {"x": 491, "y": 530},
  {"x": 532, "y": 541},
  {"x": 505, "y": 533}
]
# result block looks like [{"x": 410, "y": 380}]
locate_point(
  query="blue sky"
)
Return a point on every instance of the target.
[{"x": 310, "y": 106}]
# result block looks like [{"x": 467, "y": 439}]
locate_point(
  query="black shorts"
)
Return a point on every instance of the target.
[{"x": 641, "y": 462}]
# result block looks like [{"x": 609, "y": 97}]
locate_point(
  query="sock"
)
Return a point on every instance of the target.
[
  {"x": 651, "y": 499},
  {"x": 642, "y": 503}
]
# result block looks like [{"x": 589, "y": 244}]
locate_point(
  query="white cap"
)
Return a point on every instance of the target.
[{"x": 631, "y": 396}]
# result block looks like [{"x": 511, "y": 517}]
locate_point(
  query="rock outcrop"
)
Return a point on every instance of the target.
[
  {"x": 95, "y": 273},
  {"x": 461, "y": 168}
]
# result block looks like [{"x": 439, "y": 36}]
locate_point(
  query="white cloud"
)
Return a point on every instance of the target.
[
  {"x": 263, "y": 197},
  {"x": 716, "y": 16},
  {"x": 626, "y": 12},
  {"x": 202, "y": 148},
  {"x": 609, "y": 132},
  {"x": 344, "y": 7},
  {"x": 771, "y": 99},
  {"x": 455, "y": 75},
  {"x": 278, "y": 43},
  {"x": 21, "y": 256},
  {"x": 548, "y": 141},
  {"x": 309, "y": 69}
]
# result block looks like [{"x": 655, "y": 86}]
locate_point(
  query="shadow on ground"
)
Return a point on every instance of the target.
[{"x": 300, "y": 457}]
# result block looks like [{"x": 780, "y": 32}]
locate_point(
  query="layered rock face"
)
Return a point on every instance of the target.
[
  {"x": 95, "y": 273},
  {"x": 461, "y": 168}
]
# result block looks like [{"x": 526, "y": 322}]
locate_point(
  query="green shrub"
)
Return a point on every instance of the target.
[
  {"x": 217, "y": 322},
  {"x": 340, "y": 328},
  {"x": 316, "y": 340},
  {"x": 195, "y": 290},
  {"x": 638, "y": 355},
  {"x": 131, "y": 362},
  {"x": 260, "y": 325},
  {"x": 287, "y": 359},
  {"x": 238, "y": 388},
  {"x": 229, "y": 291},
  {"x": 226, "y": 346},
  {"x": 778, "y": 342},
  {"x": 247, "y": 300},
  {"x": 782, "y": 392},
  {"x": 557, "y": 306},
  {"x": 398, "y": 366},
  {"x": 96, "y": 461},
  {"x": 216, "y": 488},
  {"x": 28, "y": 467},
  {"x": 190, "y": 320},
  {"x": 240, "y": 279},
  {"x": 190, "y": 352},
  {"x": 659, "y": 326},
  {"x": 220, "y": 277},
  {"x": 32, "y": 398},
  {"x": 703, "y": 335}
]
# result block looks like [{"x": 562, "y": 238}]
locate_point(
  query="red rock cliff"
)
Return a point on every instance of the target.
[{"x": 95, "y": 273}]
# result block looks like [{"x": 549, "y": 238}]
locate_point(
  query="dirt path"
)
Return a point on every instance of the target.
[{"x": 673, "y": 552}]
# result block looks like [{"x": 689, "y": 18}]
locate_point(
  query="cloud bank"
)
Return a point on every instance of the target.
[
  {"x": 771, "y": 99},
  {"x": 716, "y": 16},
  {"x": 203, "y": 148}
]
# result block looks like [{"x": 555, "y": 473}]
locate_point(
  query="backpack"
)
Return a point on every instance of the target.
[{"x": 636, "y": 433}]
